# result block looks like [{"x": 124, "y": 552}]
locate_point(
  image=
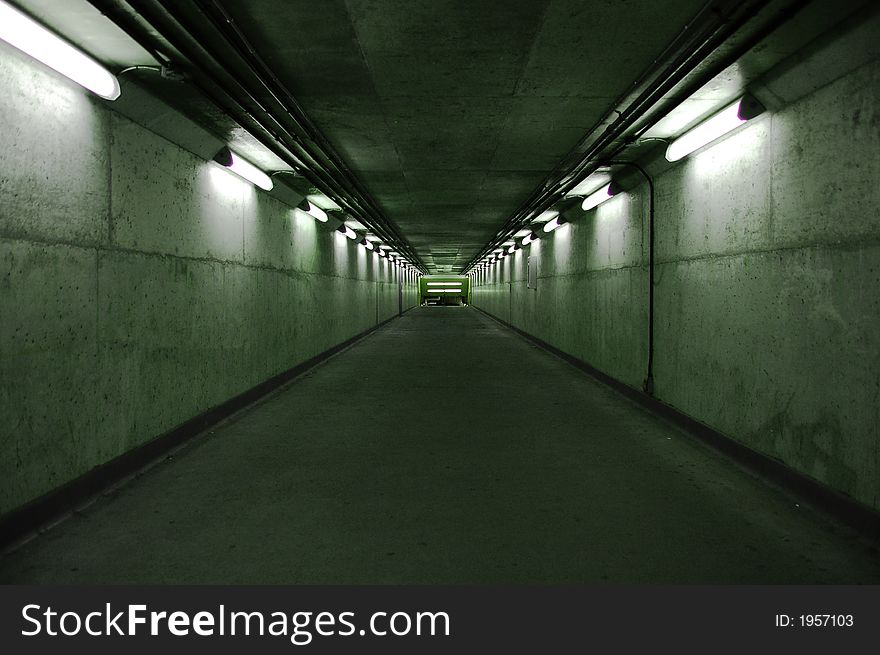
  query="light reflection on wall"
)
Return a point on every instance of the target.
[
  {"x": 713, "y": 181},
  {"x": 609, "y": 227},
  {"x": 227, "y": 184},
  {"x": 726, "y": 155},
  {"x": 560, "y": 241},
  {"x": 340, "y": 253},
  {"x": 361, "y": 261},
  {"x": 305, "y": 238},
  {"x": 221, "y": 201},
  {"x": 534, "y": 248}
]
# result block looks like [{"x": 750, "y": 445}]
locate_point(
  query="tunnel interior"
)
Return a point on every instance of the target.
[{"x": 439, "y": 291}]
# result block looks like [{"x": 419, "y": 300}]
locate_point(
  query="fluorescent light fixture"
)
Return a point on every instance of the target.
[
  {"x": 589, "y": 184},
  {"x": 443, "y": 284},
  {"x": 511, "y": 250},
  {"x": 322, "y": 201},
  {"x": 21, "y": 31},
  {"x": 313, "y": 210},
  {"x": 443, "y": 291},
  {"x": 384, "y": 247},
  {"x": 366, "y": 244},
  {"x": 244, "y": 169},
  {"x": 347, "y": 231},
  {"x": 529, "y": 238},
  {"x": 549, "y": 226},
  {"x": 598, "y": 197},
  {"x": 714, "y": 128},
  {"x": 545, "y": 216}
]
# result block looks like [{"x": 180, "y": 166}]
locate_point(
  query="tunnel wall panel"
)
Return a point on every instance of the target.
[
  {"x": 47, "y": 196},
  {"x": 141, "y": 286},
  {"x": 48, "y": 365},
  {"x": 766, "y": 289}
]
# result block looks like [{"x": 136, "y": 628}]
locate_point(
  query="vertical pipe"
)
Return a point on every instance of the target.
[{"x": 648, "y": 384}]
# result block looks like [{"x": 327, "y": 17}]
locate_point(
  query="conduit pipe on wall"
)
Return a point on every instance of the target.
[{"x": 648, "y": 384}]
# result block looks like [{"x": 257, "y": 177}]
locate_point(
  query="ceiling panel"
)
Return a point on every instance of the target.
[{"x": 452, "y": 112}]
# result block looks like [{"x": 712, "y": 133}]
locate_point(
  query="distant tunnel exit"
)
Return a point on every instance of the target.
[{"x": 444, "y": 290}]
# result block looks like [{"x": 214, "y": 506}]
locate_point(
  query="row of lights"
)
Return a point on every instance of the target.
[
  {"x": 254, "y": 175},
  {"x": 444, "y": 287},
  {"x": 711, "y": 129},
  {"x": 22, "y": 32}
]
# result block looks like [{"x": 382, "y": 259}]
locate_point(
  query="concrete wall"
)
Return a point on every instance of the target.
[
  {"x": 767, "y": 285},
  {"x": 141, "y": 286}
]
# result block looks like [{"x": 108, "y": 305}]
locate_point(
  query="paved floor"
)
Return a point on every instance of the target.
[{"x": 445, "y": 449}]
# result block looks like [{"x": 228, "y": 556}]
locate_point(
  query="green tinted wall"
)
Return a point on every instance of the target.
[
  {"x": 767, "y": 287},
  {"x": 143, "y": 285}
]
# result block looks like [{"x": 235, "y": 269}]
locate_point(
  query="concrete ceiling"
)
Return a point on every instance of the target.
[{"x": 451, "y": 112}]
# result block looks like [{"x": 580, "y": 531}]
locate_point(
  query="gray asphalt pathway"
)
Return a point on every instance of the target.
[{"x": 444, "y": 448}]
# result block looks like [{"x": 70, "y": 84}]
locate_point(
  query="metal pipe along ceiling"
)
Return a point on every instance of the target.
[
  {"x": 213, "y": 50},
  {"x": 717, "y": 22}
]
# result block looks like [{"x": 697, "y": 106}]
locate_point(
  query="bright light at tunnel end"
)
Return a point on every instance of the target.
[{"x": 22, "y": 32}]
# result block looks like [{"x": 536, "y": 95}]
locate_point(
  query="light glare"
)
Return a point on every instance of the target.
[
  {"x": 22, "y": 32},
  {"x": 597, "y": 198},
  {"x": 316, "y": 212},
  {"x": 249, "y": 172},
  {"x": 549, "y": 226},
  {"x": 720, "y": 124}
]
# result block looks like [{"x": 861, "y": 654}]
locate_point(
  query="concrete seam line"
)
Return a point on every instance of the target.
[
  {"x": 845, "y": 509},
  {"x": 149, "y": 254},
  {"x": 35, "y": 517}
]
